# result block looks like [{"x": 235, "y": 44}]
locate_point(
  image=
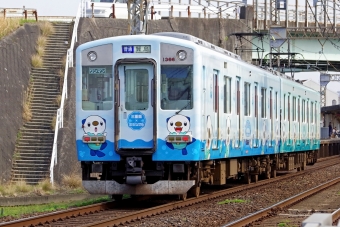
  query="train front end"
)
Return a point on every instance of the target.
[{"x": 135, "y": 116}]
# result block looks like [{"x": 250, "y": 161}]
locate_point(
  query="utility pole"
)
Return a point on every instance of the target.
[{"x": 138, "y": 16}]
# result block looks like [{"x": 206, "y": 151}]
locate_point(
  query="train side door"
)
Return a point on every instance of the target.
[
  {"x": 215, "y": 115},
  {"x": 256, "y": 114},
  {"x": 134, "y": 106},
  {"x": 238, "y": 112}
]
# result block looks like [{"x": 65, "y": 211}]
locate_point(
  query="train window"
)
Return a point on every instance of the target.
[
  {"x": 307, "y": 112},
  {"x": 97, "y": 88},
  {"x": 256, "y": 102},
  {"x": 276, "y": 110},
  {"x": 238, "y": 97},
  {"x": 294, "y": 109},
  {"x": 216, "y": 91},
  {"x": 177, "y": 87},
  {"x": 288, "y": 100},
  {"x": 263, "y": 103},
  {"x": 246, "y": 99},
  {"x": 227, "y": 94},
  {"x": 284, "y": 107},
  {"x": 136, "y": 89},
  {"x": 303, "y": 118},
  {"x": 298, "y": 109},
  {"x": 315, "y": 113},
  {"x": 270, "y": 105},
  {"x": 312, "y": 113}
]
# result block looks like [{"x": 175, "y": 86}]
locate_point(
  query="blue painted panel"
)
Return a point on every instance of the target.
[
  {"x": 104, "y": 152},
  {"x": 140, "y": 144}
]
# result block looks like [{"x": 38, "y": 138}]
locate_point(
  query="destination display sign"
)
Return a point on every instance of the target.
[
  {"x": 130, "y": 49},
  {"x": 97, "y": 70}
]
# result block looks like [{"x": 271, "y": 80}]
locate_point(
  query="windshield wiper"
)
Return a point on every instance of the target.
[{"x": 184, "y": 107}]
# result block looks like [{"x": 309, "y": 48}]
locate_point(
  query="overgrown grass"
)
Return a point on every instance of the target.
[
  {"x": 285, "y": 223},
  {"x": 15, "y": 189},
  {"x": 61, "y": 79},
  {"x": 19, "y": 211},
  {"x": 70, "y": 184},
  {"x": 37, "y": 61},
  {"x": 22, "y": 187},
  {"x": 54, "y": 120},
  {"x": 58, "y": 100},
  {"x": 227, "y": 201},
  {"x": 19, "y": 135},
  {"x": 8, "y": 25},
  {"x": 40, "y": 50},
  {"x": 26, "y": 105},
  {"x": 16, "y": 155},
  {"x": 46, "y": 28},
  {"x": 28, "y": 21},
  {"x": 41, "y": 41},
  {"x": 72, "y": 181}
]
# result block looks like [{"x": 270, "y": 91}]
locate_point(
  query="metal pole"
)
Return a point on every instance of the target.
[
  {"x": 265, "y": 15},
  {"x": 306, "y": 14},
  {"x": 334, "y": 16},
  {"x": 296, "y": 13}
]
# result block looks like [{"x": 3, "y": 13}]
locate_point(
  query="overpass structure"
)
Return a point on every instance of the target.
[
  {"x": 284, "y": 33},
  {"x": 286, "y": 36}
]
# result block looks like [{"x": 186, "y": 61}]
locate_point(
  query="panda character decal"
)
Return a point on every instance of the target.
[
  {"x": 179, "y": 125},
  {"x": 95, "y": 126}
]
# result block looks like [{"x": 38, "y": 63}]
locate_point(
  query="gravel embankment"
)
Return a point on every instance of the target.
[{"x": 213, "y": 214}]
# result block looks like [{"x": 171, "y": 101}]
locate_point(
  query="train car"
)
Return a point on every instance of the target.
[{"x": 167, "y": 112}]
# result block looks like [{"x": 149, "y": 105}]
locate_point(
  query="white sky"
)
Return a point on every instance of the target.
[
  {"x": 315, "y": 76},
  {"x": 45, "y": 7}
]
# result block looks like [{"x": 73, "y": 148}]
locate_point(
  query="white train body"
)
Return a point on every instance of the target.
[{"x": 151, "y": 110}]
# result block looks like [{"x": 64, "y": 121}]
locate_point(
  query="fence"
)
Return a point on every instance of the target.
[
  {"x": 166, "y": 9},
  {"x": 18, "y": 12},
  {"x": 60, "y": 112}
]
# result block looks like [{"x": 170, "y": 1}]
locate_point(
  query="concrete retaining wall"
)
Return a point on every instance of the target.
[{"x": 15, "y": 65}]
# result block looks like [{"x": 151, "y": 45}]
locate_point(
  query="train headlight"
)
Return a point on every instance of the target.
[
  {"x": 92, "y": 56},
  {"x": 181, "y": 55}
]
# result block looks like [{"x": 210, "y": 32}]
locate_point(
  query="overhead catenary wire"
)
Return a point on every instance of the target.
[{"x": 215, "y": 10}]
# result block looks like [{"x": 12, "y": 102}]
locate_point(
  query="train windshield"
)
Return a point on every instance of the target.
[
  {"x": 97, "y": 88},
  {"x": 176, "y": 88}
]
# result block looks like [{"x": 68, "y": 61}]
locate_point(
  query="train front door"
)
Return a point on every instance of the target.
[{"x": 134, "y": 106}]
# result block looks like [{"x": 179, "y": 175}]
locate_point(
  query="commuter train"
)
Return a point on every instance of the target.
[{"x": 168, "y": 112}]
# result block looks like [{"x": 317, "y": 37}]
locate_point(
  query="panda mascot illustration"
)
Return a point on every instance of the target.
[
  {"x": 95, "y": 126},
  {"x": 179, "y": 125}
]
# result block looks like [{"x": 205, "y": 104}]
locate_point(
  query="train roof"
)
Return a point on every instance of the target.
[
  {"x": 198, "y": 41},
  {"x": 213, "y": 47}
]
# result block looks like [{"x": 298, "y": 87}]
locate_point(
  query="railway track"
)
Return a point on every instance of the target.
[
  {"x": 112, "y": 218},
  {"x": 259, "y": 217}
]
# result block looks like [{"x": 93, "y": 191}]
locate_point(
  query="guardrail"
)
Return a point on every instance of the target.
[
  {"x": 17, "y": 12},
  {"x": 217, "y": 9},
  {"x": 186, "y": 10},
  {"x": 60, "y": 112}
]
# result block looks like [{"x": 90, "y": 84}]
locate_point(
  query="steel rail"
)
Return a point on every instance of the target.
[
  {"x": 336, "y": 215},
  {"x": 177, "y": 205},
  {"x": 41, "y": 219},
  {"x": 283, "y": 204},
  {"x": 46, "y": 218}
]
